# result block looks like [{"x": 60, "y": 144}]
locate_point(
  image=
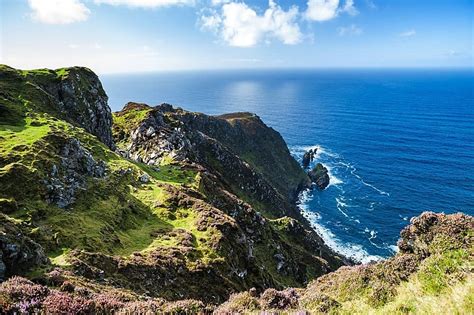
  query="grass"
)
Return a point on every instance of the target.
[
  {"x": 411, "y": 298},
  {"x": 59, "y": 257},
  {"x": 438, "y": 270},
  {"x": 443, "y": 284},
  {"x": 15, "y": 136}
]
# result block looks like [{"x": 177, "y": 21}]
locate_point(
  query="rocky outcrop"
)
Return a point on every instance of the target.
[
  {"x": 308, "y": 157},
  {"x": 250, "y": 157},
  {"x": 173, "y": 132},
  {"x": 18, "y": 253},
  {"x": 77, "y": 96},
  {"x": 70, "y": 175},
  {"x": 319, "y": 176}
]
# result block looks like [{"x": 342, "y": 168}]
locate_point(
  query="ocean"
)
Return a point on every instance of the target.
[{"x": 396, "y": 142}]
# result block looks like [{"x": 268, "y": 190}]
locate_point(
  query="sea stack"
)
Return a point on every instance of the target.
[
  {"x": 319, "y": 176},
  {"x": 308, "y": 157}
]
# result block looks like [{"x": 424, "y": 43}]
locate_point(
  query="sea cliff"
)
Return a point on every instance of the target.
[
  {"x": 153, "y": 200},
  {"x": 158, "y": 209}
]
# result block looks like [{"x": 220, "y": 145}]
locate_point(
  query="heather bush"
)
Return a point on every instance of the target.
[
  {"x": 19, "y": 295},
  {"x": 62, "y": 303},
  {"x": 141, "y": 308},
  {"x": 184, "y": 307},
  {"x": 107, "y": 304},
  {"x": 273, "y": 299},
  {"x": 239, "y": 303}
]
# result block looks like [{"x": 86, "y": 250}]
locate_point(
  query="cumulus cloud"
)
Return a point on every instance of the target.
[
  {"x": 241, "y": 26},
  {"x": 322, "y": 10},
  {"x": 58, "y": 11},
  {"x": 408, "y": 33},
  {"x": 349, "y": 30},
  {"x": 146, "y": 3},
  {"x": 325, "y": 10}
]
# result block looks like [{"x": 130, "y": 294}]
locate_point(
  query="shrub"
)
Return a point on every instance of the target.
[
  {"x": 62, "y": 303},
  {"x": 19, "y": 295}
]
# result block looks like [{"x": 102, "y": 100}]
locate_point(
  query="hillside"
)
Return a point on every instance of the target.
[
  {"x": 155, "y": 202},
  {"x": 158, "y": 209}
]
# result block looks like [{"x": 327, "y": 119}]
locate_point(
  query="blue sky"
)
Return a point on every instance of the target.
[{"x": 152, "y": 35}]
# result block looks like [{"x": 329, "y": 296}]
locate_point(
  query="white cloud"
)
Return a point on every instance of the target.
[
  {"x": 241, "y": 26},
  {"x": 219, "y": 2},
  {"x": 211, "y": 22},
  {"x": 408, "y": 33},
  {"x": 146, "y": 3},
  {"x": 350, "y": 8},
  {"x": 325, "y": 10},
  {"x": 73, "y": 46},
  {"x": 322, "y": 10},
  {"x": 58, "y": 11},
  {"x": 349, "y": 30}
]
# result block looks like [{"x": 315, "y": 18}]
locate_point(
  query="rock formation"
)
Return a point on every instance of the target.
[
  {"x": 308, "y": 157},
  {"x": 319, "y": 175}
]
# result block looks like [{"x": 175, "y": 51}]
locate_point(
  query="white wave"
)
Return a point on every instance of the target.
[
  {"x": 353, "y": 251},
  {"x": 394, "y": 248},
  {"x": 353, "y": 170},
  {"x": 333, "y": 180},
  {"x": 373, "y": 235},
  {"x": 341, "y": 205}
]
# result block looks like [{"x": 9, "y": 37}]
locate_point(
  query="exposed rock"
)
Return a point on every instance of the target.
[
  {"x": 70, "y": 176},
  {"x": 78, "y": 97},
  {"x": 319, "y": 176},
  {"x": 18, "y": 253},
  {"x": 308, "y": 157},
  {"x": 145, "y": 178}
]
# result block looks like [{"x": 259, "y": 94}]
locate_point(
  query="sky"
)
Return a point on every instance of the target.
[{"x": 121, "y": 36}]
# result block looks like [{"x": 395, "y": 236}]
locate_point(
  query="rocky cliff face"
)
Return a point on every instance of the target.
[
  {"x": 251, "y": 158},
  {"x": 71, "y": 94}
]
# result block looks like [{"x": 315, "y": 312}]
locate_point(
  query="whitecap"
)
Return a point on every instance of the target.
[
  {"x": 339, "y": 207},
  {"x": 353, "y": 251},
  {"x": 333, "y": 180},
  {"x": 394, "y": 248},
  {"x": 367, "y": 184}
]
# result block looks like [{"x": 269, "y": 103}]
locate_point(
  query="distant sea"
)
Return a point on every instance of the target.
[{"x": 396, "y": 142}]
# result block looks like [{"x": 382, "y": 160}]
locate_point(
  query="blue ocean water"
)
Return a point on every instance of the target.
[{"x": 397, "y": 142}]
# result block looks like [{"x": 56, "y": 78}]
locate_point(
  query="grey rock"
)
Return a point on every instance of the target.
[
  {"x": 77, "y": 163},
  {"x": 319, "y": 175},
  {"x": 145, "y": 178}
]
